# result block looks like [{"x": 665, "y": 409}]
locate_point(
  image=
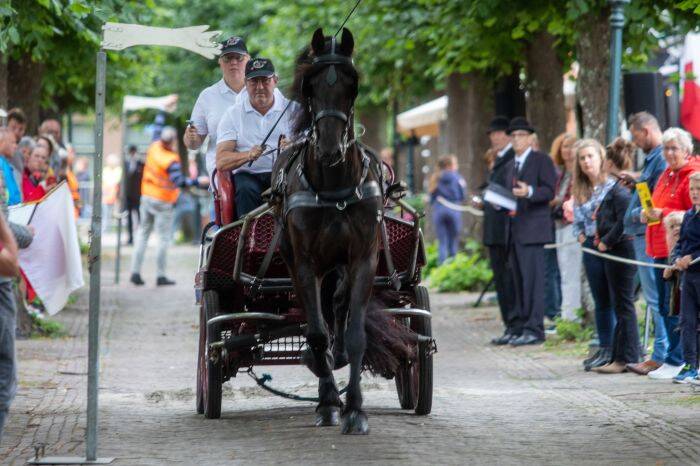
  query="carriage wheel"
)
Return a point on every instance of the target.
[
  {"x": 422, "y": 326},
  {"x": 213, "y": 377},
  {"x": 201, "y": 359},
  {"x": 407, "y": 380}
]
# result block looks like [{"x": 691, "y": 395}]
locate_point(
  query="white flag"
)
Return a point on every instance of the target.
[{"x": 52, "y": 262}]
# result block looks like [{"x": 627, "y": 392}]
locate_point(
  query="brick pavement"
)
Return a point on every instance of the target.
[{"x": 491, "y": 405}]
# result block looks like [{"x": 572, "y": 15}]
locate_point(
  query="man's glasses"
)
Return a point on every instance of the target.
[
  {"x": 233, "y": 57},
  {"x": 264, "y": 80}
]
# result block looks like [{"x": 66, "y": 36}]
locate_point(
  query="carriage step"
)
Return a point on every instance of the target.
[
  {"x": 237, "y": 342},
  {"x": 245, "y": 316}
]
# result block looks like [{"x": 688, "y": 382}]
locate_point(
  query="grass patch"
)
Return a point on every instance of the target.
[
  {"x": 47, "y": 328},
  {"x": 691, "y": 400},
  {"x": 572, "y": 338}
]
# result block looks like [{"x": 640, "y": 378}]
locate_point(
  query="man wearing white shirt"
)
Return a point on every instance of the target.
[
  {"x": 243, "y": 129},
  {"x": 217, "y": 98}
]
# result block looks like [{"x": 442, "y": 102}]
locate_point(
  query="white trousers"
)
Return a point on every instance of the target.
[{"x": 570, "y": 260}]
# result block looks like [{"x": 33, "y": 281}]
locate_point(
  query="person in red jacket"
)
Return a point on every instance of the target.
[{"x": 671, "y": 194}]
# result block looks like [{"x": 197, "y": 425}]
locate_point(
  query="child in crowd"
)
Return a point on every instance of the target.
[{"x": 688, "y": 249}]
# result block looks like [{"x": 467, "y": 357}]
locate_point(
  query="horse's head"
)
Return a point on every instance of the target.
[{"x": 329, "y": 89}]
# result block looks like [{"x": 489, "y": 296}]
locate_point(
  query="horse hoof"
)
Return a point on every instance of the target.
[
  {"x": 340, "y": 360},
  {"x": 327, "y": 416},
  {"x": 355, "y": 423}
]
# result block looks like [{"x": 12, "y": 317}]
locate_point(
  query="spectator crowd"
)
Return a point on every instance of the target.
[{"x": 581, "y": 220}]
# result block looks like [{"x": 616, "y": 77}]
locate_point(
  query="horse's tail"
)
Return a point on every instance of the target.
[{"x": 388, "y": 341}]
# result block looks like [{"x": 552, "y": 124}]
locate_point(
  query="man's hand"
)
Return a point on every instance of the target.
[
  {"x": 254, "y": 153},
  {"x": 521, "y": 190},
  {"x": 284, "y": 142},
  {"x": 602, "y": 247},
  {"x": 668, "y": 273},
  {"x": 203, "y": 181},
  {"x": 192, "y": 139},
  {"x": 628, "y": 177},
  {"x": 684, "y": 262},
  {"x": 581, "y": 238}
]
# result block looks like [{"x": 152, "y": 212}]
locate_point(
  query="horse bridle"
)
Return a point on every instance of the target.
[{"x": 330, "y": 60}]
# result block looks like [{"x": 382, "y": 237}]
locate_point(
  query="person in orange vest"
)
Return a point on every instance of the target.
[{"x": 160, "y": 188}]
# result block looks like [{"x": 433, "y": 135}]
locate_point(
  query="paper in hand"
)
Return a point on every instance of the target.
[{"x": 500, "y": 196}]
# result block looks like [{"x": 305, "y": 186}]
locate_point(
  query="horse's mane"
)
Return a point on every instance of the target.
[{"x": 302, "y": 118}]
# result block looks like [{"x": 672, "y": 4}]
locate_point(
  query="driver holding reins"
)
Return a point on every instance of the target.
[{"x": 242, "y": 130}]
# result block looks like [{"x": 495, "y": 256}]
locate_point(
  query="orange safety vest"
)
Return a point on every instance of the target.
[{"x": 156, "y": 182}]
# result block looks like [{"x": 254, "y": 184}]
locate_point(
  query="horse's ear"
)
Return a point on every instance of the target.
[
  {"x": 318, "y": 42},
  {"x": 347, "y": 43}
]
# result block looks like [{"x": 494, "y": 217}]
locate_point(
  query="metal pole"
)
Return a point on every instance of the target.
[
  {"x": 617, "y": 21},
  {"x": 94, "y": 260}
]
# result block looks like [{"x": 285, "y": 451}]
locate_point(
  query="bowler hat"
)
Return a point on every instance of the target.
[
  {"x": 499, "y": 123},
  {"x": 520, "y": 124}
]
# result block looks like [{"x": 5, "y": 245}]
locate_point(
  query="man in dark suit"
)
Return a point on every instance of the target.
[
  {"x": 495, "y": 229},
  {"x": 533, "y": 177}
]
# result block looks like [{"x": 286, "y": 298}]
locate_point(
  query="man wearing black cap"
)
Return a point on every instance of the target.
[
  {"x": 495, "y": 227},
  {"x": 217, "y": 98},
  {"x": 244, "y": 127},
  {"x": 533, "y": 179}
]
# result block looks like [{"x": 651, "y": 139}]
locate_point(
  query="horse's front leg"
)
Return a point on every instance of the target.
[
  {"x": 318, "y": 357},
  {"x": 361, "y": 282},
  {"x": 340, "y": 318}
]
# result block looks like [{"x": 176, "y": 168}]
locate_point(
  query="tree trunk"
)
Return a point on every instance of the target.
[
  {"x": 373, "y": 118},
  {"x": 469, "y": 111},
  {"x": 3, "y": 81},
  {"x": 593, "y": 53},
  {"x": 24, "y": 88},
  {"x": 545, "y": 98}
]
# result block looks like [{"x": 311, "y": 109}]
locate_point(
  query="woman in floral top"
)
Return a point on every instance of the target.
[{"x": 590, "y": 186}]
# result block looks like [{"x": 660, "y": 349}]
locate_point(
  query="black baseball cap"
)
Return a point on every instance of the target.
[
  {"x": 234, "y": 44},
  {"x": 259, "y": 67}
]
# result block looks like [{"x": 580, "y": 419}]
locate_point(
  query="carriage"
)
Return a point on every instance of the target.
[{"x": 249, "y": 315}]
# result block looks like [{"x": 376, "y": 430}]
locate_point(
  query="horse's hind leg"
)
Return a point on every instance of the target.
[
  {"x": 318, "y": 358},
  {"x": 354, "y": 419}
]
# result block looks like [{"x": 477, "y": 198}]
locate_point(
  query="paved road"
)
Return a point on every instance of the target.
[{"x": 491, "y": 406}]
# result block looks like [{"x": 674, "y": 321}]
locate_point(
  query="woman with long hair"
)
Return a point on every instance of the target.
[
  {"x": 447, "y": 183},
  {"x": 612, "y": 240},
  {"x": 568, "y": 257},
  {"x": 591, "y": 184}
]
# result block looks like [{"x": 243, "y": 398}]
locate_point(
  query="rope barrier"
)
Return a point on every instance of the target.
[
  {"x": 459, "y": 207},
  {"x": 478, "y": 213}
]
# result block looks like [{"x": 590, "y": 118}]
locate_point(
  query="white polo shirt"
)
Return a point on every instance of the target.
[
  {"x": 207, "y": 112},
  {"x": 245, "y": 125}
]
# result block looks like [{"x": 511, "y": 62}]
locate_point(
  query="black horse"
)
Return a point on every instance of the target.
[{"x": 330, "y": 209}]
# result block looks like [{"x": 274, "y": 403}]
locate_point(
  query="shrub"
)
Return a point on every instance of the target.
[
  {"x": 467, "y": 271},
  {"x": 569, "y": 330},
  {"x": 431, "y": 258}
]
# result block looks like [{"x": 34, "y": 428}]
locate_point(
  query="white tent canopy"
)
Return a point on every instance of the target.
[{"x": 424, "y": 119}]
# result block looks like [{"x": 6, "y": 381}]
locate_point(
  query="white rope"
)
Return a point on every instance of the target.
[
  {"x": 479, "y": 213},
  {"x": 459, "y": 207},
  {"x": 603, "y": 255}
]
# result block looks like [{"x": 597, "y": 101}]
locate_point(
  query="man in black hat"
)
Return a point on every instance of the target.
[
  {"x": 217, "y": 98},
  {"x": 244, "y": 127},
  {"x": 533, "y": 179},
  {"x": 495, "y": 227}
]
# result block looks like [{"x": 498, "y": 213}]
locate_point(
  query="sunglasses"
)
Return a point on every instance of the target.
[{"x": 233, "y": 57}]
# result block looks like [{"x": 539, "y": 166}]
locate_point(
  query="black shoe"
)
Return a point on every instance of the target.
[
  {"x": 503, "y": 339},
  {"x": 595, "y": 356},
  {"x": 604, "y": 358},
  {"x": 136, "y": 279},
  {"x": 526, "y": 339},
  {"x": 163, "y": 281}
]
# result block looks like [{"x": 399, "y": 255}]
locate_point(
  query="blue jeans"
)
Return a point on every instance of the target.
[
  {"x": 690, "y": 304},
  {"x": 8, "y": 372},
  {"x": 605, "y": 320},
  {"x": 647, "y": 278},
  {"x": 552, "y": 284},
  {"x": 674, "y": 356},
  {"x": 448, "y": 224}
]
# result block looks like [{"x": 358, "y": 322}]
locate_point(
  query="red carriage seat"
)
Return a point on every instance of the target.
[{"x": 224, "y": 197}]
